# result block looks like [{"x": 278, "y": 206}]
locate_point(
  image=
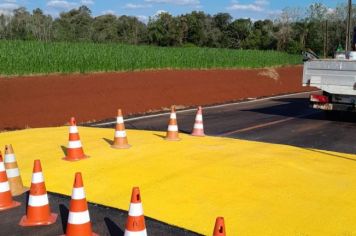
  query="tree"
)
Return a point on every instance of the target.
[
  {"x": 182, "y": 25},
  {"x": 317, "y": 12},
  {"x": 20, "y": 24},
  {"x": 238, "y": 31},
  {"x": 41, "y": 25},
  {"x": 284, "y": 23},
  {"x": 221, "y": 22},
  {"x": 262, "y": 36},
  {"x": 131, "y": 30},
  {"x": 197, "y": 33},
  {"x": 75, "y": 25},
  {"x": 316, "y": 16},
  {"x": 105, "y": 28},
  {"x": 300, "y": 32},
  {"x": 166, "y": 30},
  {"x": 4, "y": 26},
  {"x": 337, "y": 27}
]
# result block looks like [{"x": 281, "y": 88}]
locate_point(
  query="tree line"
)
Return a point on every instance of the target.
[{"x": 293, "y": 30}]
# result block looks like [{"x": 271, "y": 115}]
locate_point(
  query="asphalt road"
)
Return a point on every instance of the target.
[
  {"x": 105, "y": 221},
  {"x": 283, "y": 120}
]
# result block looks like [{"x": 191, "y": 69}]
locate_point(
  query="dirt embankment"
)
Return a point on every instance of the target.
[{"x": 51, "y": 100}]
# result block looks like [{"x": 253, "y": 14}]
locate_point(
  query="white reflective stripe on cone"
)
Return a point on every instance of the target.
[
  {"x": 37, "y": 201},
  {"x": 78, "y": 218},
  {"x": 198, "y": 126},
  {"x": 136, "y": 233},
  {"x": 73, "y": 129},
  {"x": 37, "y": 178},
  {"x": 120, "y": 134},
  {"x": 9, "y": 158},
  {"x": 136, "y": 209},
  {"x": 75, "y": 144},
  {"x": 12, "y": 173},
  {"x": 78, "y": 193},
  {"x": 119, "y": 120},
  {"x": 199, "y": 117},
  {"x": 173, "y": 116},
  {"x": 172, "y": 128},
  {"x": 2, "y": 167},
  {"x": 4, "y": 187}
]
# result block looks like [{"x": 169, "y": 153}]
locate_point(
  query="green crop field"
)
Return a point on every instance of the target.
[{"x": 24, "y": 57}]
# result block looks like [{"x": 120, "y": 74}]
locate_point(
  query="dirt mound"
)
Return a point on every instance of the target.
[
  {"x": 270, "y": 73},
  {"x": 50, "y": 100}
]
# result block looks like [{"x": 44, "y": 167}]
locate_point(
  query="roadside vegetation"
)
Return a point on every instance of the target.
[
  {"x": 31, "y": 57},
  {"x": 77, "y": 41},
  {"x": 292, "y": 30}
]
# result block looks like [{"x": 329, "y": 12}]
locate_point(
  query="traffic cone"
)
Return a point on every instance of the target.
[
  {"x": 38, "y": 211},
  {"x": 219, "y": 229},
  {"x": 6, "y": 201},
  {"x": 74, "y": 150},
  {"x": 120, "y": 138},
  {"x": 135, "y": 224},
  {"x": 172, "y": 132},
  {"x": 198, "y": 129},
  {"x": 78, "y": 220},
  {"x": 13, "y": 173}
]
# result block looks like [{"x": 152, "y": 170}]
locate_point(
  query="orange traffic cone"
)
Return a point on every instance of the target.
[
  {"x": 172, "y": 132},
  {"x": 120, "y": 138},
  {"x": 135, "y": 224},
  {"x": 74, "y": 150},
  {"x": 38, "y": 211},
  {"x": 6, "y": 201},
  {"x": 219, "y": 229},
  {"x": 198, "y": 129},
  {"x": 78, "y": 220},
  {"x": 13, "y": 173}
]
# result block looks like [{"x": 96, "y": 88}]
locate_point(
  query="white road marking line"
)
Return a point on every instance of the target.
[
  {"x": 206, "y": 108},
  {"x": 267, "y": 124}
]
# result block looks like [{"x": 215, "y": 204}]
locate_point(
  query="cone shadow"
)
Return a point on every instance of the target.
[
  {"x": 160, "y": 135},
  {"x": 184, "y": 131},
  {"x": 108, "y": 141},
  {"x": 27, "y": 198},
  {"x": 113, "y": 228},
  {"x": 64, "y": 150},
  {"x": 64, "y": 212}
]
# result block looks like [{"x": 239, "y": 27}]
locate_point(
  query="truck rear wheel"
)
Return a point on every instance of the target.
[{"x": 332, "y": 115}]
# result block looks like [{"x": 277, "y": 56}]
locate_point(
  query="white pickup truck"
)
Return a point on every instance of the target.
[{"x": 336, "y": 78}]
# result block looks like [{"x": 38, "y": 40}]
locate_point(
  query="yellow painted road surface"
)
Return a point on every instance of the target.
[{"x": 260, "y": 189}]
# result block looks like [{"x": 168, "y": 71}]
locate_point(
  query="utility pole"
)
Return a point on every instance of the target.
[
  {"x": 326, "y": 39},
  {"x": 348, "y": 25}
]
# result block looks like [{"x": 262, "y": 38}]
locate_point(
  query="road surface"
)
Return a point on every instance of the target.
[
  {"x": 283, "y": 120},
  {"x": 105, "y": 220}
]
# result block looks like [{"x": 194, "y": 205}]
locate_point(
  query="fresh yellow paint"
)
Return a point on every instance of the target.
[{"x": 260, "y": 189}]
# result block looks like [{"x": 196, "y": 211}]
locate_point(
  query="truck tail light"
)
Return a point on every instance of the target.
[{"x": 319, "y": 98}]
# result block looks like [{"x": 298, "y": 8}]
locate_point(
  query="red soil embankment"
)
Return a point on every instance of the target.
[{"x": 39, "y": 101}]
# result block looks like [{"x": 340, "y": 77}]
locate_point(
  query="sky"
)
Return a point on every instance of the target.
[{"x": 254, "y": 9}]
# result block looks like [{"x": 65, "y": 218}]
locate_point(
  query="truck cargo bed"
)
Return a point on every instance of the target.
[{"x": 332, "y": 76}]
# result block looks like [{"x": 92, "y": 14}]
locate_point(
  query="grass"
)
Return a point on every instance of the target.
[{"x": 29, "y": 57}]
